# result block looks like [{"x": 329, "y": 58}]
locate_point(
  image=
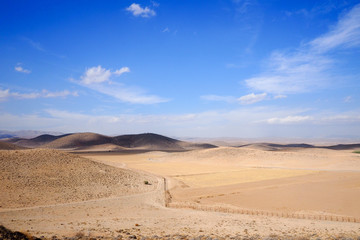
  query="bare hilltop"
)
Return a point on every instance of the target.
[{"x": 98, "y": 142}]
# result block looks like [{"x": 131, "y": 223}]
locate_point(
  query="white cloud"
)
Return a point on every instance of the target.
[
  {"x": 308, "y": 67},
  {"x": 252, "y": 98},
  {"x": 228, "y": 99},
  {"x": 99, "y": 79},
  {"x": 137, "y": 10},
  {"x": 21, "y": 69},
  {"x": 280, "y": 96},
  {"x": 289, "y": 120},
  {"x": 122, "y": 70},
  {"x": 95, "y": 75},
  {"x": 247, "y": 99},
  {"x": 6, "y": 94},
  {"x": 292, "y": 73},
  {"x": 65, "y": 93},
  {"x": 165, "y": 30},
  {"x": 346, "y": 33},
  {"x": 349, "y": 117},
  {"x": 127, "y": 94},
  {"x": 99, "y": 75}
]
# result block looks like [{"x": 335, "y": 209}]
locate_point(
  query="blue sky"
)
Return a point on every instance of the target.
[{"x": 217, "y": 68}]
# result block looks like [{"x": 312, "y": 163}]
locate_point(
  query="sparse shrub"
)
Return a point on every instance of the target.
[
  {"x": 147, "y": 182},
  {"x": 79, "y": 235}
]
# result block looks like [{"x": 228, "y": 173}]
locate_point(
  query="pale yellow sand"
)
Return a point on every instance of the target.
[{"x": 309, "y": 181}]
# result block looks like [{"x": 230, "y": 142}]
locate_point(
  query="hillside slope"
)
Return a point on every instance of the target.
[
  {"x": 78, "y": 140},
  {"x": 45, "y": 176},
  {"x": 36, "y": 141},
  {"x": 9, "y": 146}
]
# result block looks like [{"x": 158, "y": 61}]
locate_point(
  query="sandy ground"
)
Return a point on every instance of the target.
[
  {"x": 42, "y": 177},
  {"x": 309, "y": 181}
]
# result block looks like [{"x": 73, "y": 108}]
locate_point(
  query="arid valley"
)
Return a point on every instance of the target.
[
  {"x": 149, "y": 186},
  {"x": 181, "y": 119}
]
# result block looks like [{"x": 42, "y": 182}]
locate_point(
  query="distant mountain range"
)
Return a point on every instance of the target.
[
  {"x": 98, "y": 142},
  {"x": 280, "y": 147},
  {"x": 24, "y": 133},
  {"x": 144, "y": 142}
]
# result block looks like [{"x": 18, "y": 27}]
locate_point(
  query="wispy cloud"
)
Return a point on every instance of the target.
[
  {"x": 292, "y": 73},
  {"x": 346, "y": 33},
  {"x": 247, "y": 99},
  {"x": 252, "y": 98},
  {"x": 348, "y": 99},
  {"x": 308, "y": 67},
  {"x": 280, "y": 96},
  {"x": 122, "y": 70},
  {"x": 6, "y": 94},
  {"x": 34, "y": 44},
  {"x": 99, "y": 79},
  {"x": 138, "y": 11},
  {"x": 65, "y": 93},
  {"x": 155, "y": 4},
  {"x": 289, "y": 120},
  {"x": 21, "y": 69},
  {"x": 229, "y": 99}
]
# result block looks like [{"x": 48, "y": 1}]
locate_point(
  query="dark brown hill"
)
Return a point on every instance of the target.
[
  {"x": 36, "y": 141},
  {"x": 345, "y": 147},
  {"x": 98, "y": 142},
  {"x": 147, "y": 140},
  {"x": 78, "y": 140},
  {"x": 152, "y": 141}
]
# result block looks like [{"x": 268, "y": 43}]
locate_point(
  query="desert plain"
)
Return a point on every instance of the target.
[{"x": 257, "y": 191}]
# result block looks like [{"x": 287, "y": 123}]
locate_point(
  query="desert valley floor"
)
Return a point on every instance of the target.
[{"x": 224, "y": 192}]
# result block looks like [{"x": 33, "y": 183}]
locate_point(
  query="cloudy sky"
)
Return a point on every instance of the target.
[{"x": 217, "y": 68}]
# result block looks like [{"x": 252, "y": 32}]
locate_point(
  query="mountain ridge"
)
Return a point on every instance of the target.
[{"x": 93, "y": 141}]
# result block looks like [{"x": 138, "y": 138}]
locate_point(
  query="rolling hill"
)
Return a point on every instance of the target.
[
  {"x": 36, "y": 141},
  {"x": 98, "y": 142}
]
